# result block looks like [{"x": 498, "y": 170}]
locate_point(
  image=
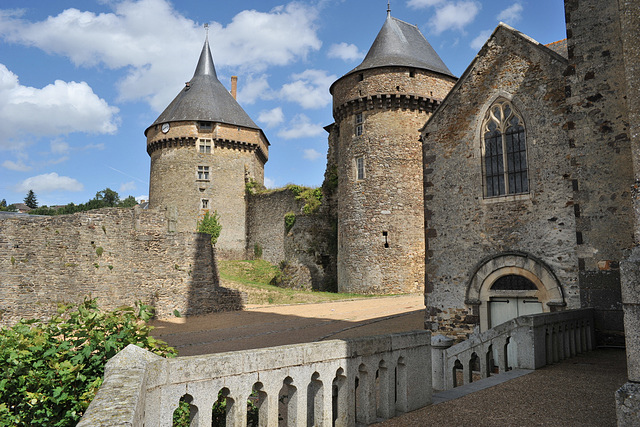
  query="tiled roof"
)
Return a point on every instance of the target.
[
  {"x": 559, "y": 47},
  {"x": 204, "y": 98},
  {"x": 402, "y": 44}
]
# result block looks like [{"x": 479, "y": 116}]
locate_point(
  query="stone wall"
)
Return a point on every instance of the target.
[
  {"x": 463, "y": 228},
  {"x": 117, "y": 255},
  {"x": 600, "y": 153},
  {"x": 265, "y": 222},
  {"x": 237, "y": 155},
  {"x": 304, "y": 252},
  {"x": 380, "y": 222}
]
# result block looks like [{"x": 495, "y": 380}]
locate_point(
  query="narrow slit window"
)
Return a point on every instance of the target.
[
  {"x": 205, "y": 203},
  {"x": 359, "y": 168},
  {"x": 359, "y": 124}
]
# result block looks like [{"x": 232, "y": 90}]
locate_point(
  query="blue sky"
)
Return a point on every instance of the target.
[{"x": 80, "y": 80}]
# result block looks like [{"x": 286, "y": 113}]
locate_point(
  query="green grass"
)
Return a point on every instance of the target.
[{"x": 253, "y": 277}]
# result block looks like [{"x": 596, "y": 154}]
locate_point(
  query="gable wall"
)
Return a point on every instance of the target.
[{"x": 463, "y": 228}]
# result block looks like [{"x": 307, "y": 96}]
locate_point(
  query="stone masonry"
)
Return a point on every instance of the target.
[
  {"x": 117, "y": 255},
  {"x": 459, "y": 219},
  {"x": 380, "y": 224},
  {"x": 236, "y": 156}
]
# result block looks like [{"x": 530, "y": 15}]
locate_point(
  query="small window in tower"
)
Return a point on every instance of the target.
[
  {"x": 205, "y": 203},
  {"x": 359, "y": 124},
  {"x": 386, "y": 239},
  {"x": 412, "y": 73},
  {"x": 360, "y": 77},
  {"x": 359, "y": 168},
  {"x": 203, "y": 173},
  {"x": 205, "y": 126},
  {"x": 205, "y": 145}
]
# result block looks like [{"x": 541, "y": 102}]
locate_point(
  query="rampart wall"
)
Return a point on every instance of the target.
[{"x": 117, "y": 255}]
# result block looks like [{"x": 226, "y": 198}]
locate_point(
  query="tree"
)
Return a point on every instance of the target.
[
  {"x": 3, "y": 203},
  {"x": 108, "y": 197},
  {"x": 210, "y": 224},
  {"x": 129, "y": 202},
  {"x": 31, "y": 200}
]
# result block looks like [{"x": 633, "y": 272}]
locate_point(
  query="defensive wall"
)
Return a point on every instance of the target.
[
  {"x": 304, "y": 250},
  {"x": 117, "y": 255}
]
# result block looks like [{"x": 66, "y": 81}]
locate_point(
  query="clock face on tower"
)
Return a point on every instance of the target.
[{"x": 165, "y": 128}]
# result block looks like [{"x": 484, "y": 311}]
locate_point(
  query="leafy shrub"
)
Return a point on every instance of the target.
[
  {"x": 210, "y": 224},
  {"x": 289, "y": 221},
  {"x": 50, "y": 371},
  {"x": 312, "y": 197}
]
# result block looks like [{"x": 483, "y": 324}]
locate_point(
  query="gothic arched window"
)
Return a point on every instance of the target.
[{"x": 504, "y": 158}]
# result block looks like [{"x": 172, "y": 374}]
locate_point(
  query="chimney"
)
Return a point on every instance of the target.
[{"x": 234, "y": 86}]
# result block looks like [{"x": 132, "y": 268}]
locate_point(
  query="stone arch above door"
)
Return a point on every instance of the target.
[{"x": 549, "y": 291}]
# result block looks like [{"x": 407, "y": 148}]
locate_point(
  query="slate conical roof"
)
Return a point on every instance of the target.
[
  {"x": 204, "y": 98},
  {"x": 402, "y": 44}
]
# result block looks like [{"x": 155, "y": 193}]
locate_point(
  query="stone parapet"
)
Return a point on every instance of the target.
[
  {"x": 310, "y": 384},
  {"x": 526, "y": 342}
]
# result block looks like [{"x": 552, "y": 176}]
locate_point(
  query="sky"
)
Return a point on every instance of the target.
[{"x": 80, "y": 80}]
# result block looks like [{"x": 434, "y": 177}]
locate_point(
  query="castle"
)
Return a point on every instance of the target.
[{"x": 512, "y": 190}]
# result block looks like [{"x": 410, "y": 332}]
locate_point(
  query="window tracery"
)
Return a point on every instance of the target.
[{"x": 504, "y": 159}]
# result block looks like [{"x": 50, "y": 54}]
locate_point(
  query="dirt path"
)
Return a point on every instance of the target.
[{"x": 267, "y": 326}]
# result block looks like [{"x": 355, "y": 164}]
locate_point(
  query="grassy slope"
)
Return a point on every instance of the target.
[{"x": 253, "y": 277}]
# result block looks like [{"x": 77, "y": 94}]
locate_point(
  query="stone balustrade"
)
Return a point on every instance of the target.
[
  {"x": 527, "y": 342},
  {"x": 338, "y": 383}
]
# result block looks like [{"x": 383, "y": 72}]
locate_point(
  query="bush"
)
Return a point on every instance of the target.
[
  {"x": 50, "y": 371},
  {"x": 210, "y": 224},
  {"x": 289, "y": 221}
]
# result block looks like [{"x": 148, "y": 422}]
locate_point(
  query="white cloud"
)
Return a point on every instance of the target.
[
  {"x": 479, "y": 41},
  {"x": 344, "y": 51},
  {"x": 57, "y": 109},
  {"x": 59, "y": 147},
  {"x": 254, "y": 88},
  {"x": 311, "y": 154},
  {"x": 454, "y": 16},
  {"x": 126, "y": 187},
  {"x": 130, "y": 38},
  {"x": 271, "y": 117},
  {"x": 18, "y": 166},
  {"x": 512, "y": 14},
  {"x": 301, "y": 127},
  {"x": 269, "y": 183},
  {"x": 421, "y": 4},
  {"x": 310, "y": 89},
  {"x": 49, "y": 182}
]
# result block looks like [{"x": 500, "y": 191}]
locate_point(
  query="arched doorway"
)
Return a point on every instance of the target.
[{"x": 511, "y": 285}]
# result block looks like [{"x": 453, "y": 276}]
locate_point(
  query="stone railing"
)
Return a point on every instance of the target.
[
  {"x": 527, "y": 342},
  {"x": 338, "y": 383}
]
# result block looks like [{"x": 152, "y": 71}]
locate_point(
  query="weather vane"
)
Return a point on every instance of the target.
[
  {"x": 206, "y": 29},
  {"x": 388, "y": 7}
]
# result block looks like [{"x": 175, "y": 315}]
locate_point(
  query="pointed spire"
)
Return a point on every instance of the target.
[{"x": 205, "y": 63}]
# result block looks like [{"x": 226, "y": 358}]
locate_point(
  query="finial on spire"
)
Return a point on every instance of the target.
[
  {"x": 206, "y": 29},
  {"x": 388, "y": 8}
]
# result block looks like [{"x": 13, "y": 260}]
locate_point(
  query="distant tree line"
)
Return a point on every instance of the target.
[{"x": 106, "y": 198}]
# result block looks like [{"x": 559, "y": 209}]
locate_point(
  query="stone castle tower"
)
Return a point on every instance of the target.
[
  {"x": 374, "y": 145},
  {"x": 204, "y": 148}
]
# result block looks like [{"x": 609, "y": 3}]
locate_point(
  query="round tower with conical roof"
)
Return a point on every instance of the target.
[
  {"x": 379, "y": 108},
  {"x": 204, "y": 148}
]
